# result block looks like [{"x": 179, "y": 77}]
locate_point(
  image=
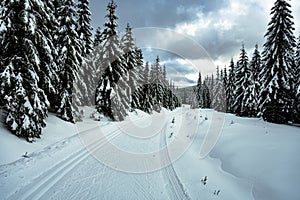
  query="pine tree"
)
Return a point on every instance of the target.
[
  {"x": 130, "y": 61},
  {"x": 95, "y": 65},
  {"x": 297, "y": 84},
  {"x": 85, "y": 77},
  {"x": 230, "y": 87},
  {"x": 84, "y": 28},
  {"x": 242, "y": 82},
  {"x": 211, "y": 82},
  {"x": 26, "y": 44},
  {"x": 164, "y": 76},
  {"x": 70, "y": 59},
  {"x": 136, "y": 79},
  {"x": 157, "y": 85},
  {"x": 144, "y": 93},
  {"x": 225, "y": 77},
  {"x": 199, "y": 91},
  {"x": 98, "y": 38},
  {"x": 252, "y": 92},
  {"x": 218, "y": 101},
  {"x": 276, "y": 96},
  {"x": 225, "y": 82},
  {"x": 206, "y": 96},
  {"x": 107, "y": 99},
  {"x": 146, "y": 74}
]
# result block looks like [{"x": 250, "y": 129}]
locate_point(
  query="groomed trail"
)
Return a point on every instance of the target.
[{"x": 76, "y": 174}]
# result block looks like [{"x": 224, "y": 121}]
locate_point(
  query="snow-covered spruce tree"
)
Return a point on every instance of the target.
[
  {"x": 242, "y": 82},
  {"x": 277, "y": 80},
  {"x": 230, "y": 88},
  {"x": 218, "y": 101},
  {"x": 225, "y": 83},
  {"x": 211, "y": 82},
  {"x": 164, "y": 76},
  {"x": 157, "y": 85},
  {"x": 251, "y": 93},
  {"x": 95, "y": 65},
  {"x": 49, "y": 82},
  {"x": 25, "y": 45},
  {"x": 69, "y": 48},
  {"x": 296, "y": 117},
  {"x": 221, "y": 74},
  {"x": 145, "y": 98},
  {"x": 225, "y": 78},
  {"x": 107, "y": 101},
  {"x": 85, "y": 76},
  {"x": 84, "y": 28},
  {"x": 206, "y": 95},
  {"x": 98, "y": 38},
  {"x": 199, "y": 91},
  {"x": 136, "y": 79},
  {"x": 130, "y": 61}
]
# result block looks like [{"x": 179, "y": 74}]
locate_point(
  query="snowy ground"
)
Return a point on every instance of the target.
[{"x": 252, "y": 159}]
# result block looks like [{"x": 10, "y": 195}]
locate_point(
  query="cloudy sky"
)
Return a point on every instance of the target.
[{"x": 218, "y": 27}]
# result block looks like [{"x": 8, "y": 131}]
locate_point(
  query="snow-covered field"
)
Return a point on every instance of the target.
[{"x": 251, "y": 160}]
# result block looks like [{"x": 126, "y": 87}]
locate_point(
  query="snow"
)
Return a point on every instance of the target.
[{"x": 251, "y": 160}]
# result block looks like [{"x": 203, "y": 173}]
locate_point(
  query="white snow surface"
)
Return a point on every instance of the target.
[{"x": 251, "y": 160}]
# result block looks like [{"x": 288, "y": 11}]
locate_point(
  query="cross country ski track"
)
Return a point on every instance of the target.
[
  {"x": 47, "y": 182},
  {"x": 39, "y": 186},
  {"x": 173, "y": 184}
]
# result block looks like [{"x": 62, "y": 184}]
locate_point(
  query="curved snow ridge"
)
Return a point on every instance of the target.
[
  {"x": 174, "y": 183},
  {"x": 40, "y": 185}
]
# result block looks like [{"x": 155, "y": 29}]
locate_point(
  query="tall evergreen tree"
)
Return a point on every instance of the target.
[
  {"x": 225, "y": 76},
  {"x": 95, "y": 65},
  {"x": 107, "y": 101},
  {"x": 70, "y": 59},
  {"x": 130, "y": 61},
  {"x": 230, "y": 87},
  {"x": 144, "y": 93},
  {"x": 157, "y": 85},
  {"x": 24, "y": 45},
  {"x": 252, "y": 92},
  {"x": 276, "y": 96},
  {"x": 136, "y": 79},
  {"x": 84, "y": 31},
  {"x": 218, "y": 101},
  {"x": 199, "y": 91},
  {"x": 98, "y": 38},
  {"x": 84, "y": 28},
  {"x": 145, "y": 73},
  {"x": 164, "y": 76},
  {"x": 242, "y": 82},
  {"x": 297, "y": 84},
  {"x": 206, "y": 96}
]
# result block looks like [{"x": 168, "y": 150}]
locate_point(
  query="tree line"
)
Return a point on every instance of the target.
[
  {"x": 50, "y": 63},
  {"x": 266, "y": 86}
]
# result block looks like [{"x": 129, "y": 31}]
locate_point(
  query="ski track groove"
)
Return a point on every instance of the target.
[
  {"x": 49, "y": 178},
  {"x": 173, "y": 181},
  {"x": 147, "y": 195}
]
